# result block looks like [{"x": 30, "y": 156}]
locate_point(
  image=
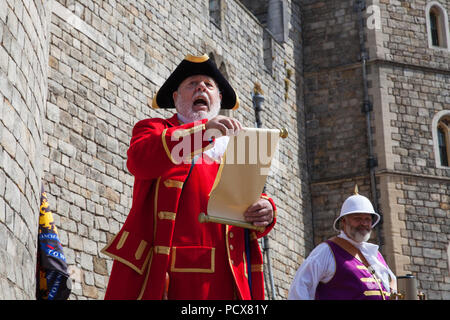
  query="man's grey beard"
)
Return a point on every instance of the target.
[
  {"x": 186, "y": 111},
  {"x": 357, "y": 235}
]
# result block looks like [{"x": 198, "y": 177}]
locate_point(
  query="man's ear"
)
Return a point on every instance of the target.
[
  {"x": 174, "y": 96},
  {"x": 341, "y": 223}
]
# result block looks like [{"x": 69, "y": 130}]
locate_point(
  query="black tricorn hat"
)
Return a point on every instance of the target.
[{"x": 190, "y": 66}]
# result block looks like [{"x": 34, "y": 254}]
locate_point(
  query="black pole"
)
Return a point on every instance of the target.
[{"x": 257, "y": 100}]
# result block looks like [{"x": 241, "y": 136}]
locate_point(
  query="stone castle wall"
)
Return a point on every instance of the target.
[
  {"x": 106, "y": 61},
  {"x": 408, "y": 85},
  {"x": 411, "y": 85},
  {"x": 75, "y": 76},
  {"x": 336, "y": 127},
  {"x": 23, "y": 95}
]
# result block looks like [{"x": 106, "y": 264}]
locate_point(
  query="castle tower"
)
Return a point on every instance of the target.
[
  {"x": 361, "y": 85},
  {"x": 106, "y": 60},
  {"x": 23, "y": 96},
  {"x": 377, "y": 78}
]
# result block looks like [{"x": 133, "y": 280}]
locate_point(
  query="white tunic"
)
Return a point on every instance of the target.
[{"x": 320, "y": 266}]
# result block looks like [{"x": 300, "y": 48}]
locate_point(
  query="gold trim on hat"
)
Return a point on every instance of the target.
[
  {"x": 154, "y": 103},
  {"x": 196, "y": 59},
  {"x": 236, "y": 105}
]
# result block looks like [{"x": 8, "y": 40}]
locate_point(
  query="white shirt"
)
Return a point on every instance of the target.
[
  {"x": 320, "y": 266},
  {"x": 219, "y": 148}
]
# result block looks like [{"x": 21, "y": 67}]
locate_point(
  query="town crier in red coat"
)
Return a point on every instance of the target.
[{"x": 162, "y": 251}]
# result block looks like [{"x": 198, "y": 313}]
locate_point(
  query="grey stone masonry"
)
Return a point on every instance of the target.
[
  {"x": 23, "y": 95},
  {"x": 335, "y": 125},
  {"x": 427, "y": 221},
  {"x": 408, "y": 85},
  {"x": 77, "y": 75},
  {"x": 106, "y": 61}
]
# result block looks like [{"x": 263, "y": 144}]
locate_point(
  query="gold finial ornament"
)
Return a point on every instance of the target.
[
  {"x": 283, "y": 133},
  {"x": 356, "y": 189},
  {"x": 257, "y": 88}
]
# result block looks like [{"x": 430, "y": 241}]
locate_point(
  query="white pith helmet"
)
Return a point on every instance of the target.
[{"x": 356, "y": 204}]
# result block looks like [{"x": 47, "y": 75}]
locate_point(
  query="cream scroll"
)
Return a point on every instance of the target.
[{"x": 241, "y": 177}]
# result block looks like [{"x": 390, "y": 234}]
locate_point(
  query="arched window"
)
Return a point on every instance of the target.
[
  {"x": 434, "y": 16},
  {"x": 218, "y": 60},
  {"x": 437, "y": 25},
  {"x": 215, "y": 12},
  {"x": 443, "y": 141},
  {"x": 441, "y": 137}
]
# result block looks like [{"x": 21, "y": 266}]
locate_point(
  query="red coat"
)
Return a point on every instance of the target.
[{"x": 162, "y": 233}]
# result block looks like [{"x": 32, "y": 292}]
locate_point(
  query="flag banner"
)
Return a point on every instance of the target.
[{"x": 53, "y": 282}]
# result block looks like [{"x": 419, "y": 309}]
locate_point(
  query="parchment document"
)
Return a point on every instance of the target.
[{"x": 242, "y": 174}]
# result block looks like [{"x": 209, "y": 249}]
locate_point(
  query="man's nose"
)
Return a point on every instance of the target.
[{"x": 201, "y": 86}]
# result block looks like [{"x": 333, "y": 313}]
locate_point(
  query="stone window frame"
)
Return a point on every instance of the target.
[
  {"x": 436, "y": 123},
  {"x": 443, "y": 29},
  {"x": 215, "y": 12}
]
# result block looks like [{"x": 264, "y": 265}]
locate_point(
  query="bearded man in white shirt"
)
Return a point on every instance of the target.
[{"x": 346, "y": 267}]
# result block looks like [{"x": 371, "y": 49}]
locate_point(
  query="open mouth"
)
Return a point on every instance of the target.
[{"x": 200, "y": 102}]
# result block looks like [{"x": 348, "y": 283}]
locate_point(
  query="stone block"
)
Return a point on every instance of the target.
[{"x": 432, "y": 253}]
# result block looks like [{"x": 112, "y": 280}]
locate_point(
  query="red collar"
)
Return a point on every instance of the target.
[{"x": 173, "y": 121}]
